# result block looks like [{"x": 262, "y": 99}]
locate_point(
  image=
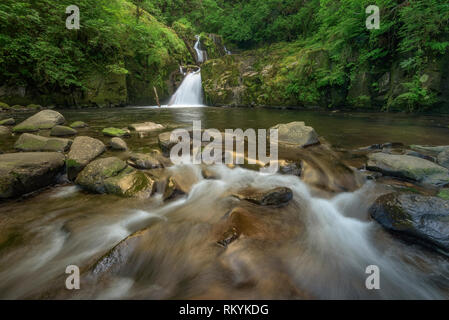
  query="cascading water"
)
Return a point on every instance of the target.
[
  {"x": 201, "y": 54},
  {"x": 190, "y": 93}
]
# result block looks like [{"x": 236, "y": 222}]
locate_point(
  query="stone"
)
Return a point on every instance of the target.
[
  {"x": 165, "y": 142},
  {"x": 118, "y": 144},
  {"x": 61, "y": 131},
  {"x": 146, "y": 127},
  {"x": 4, "y": 131},
  {"x": 275, "y": 197},
  {"x": 443, "y": 158},
  {"x": 408, "y": 167},
  {"x": 22, "y": 173},
  {"x": 144, "y": 161},
  {"x": 7, "y": 122},
  {"x": 431, "y": 150},
  {"x": 31, "y": 143},
  {"x": 113, "y": 176},
  {"x": 83, "y": 151},
  {"x": 114, "y": 132},
  {"x": 78, "y": 125},
  {"x": 45, "y": 119},
  {"x": 296, "y": 134},
  {"x": 417, "y": 218}
]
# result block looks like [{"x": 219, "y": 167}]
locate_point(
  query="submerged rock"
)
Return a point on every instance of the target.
[
  {"x": 296, "y": 134},
  {"x": 431, "y": 150},
  {"x": 165, "y": 142},
  {"x": 7, "y": 122},
  {"x": 409, "y": 167},
  {"x": 21, "y": 173},
  {"x": 418, "y": 218},
  {"x": 274, "y": 197},
  {"x": 4, "y": 131},
  {"x": 83, "y": 151},
  {"x": 113, "y": 176},
  {"x": 31, "y": 142},
  {"x": 118, "y": 144},
  {"x": 61, "y": 131},
  {"x": 115, "y": 132},
  {"x": 45, "y": 119},
  {"x": 146, "y": 127},
  {"x": 78, "y": 125}
]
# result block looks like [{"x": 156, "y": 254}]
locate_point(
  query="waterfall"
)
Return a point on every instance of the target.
[
  {"x": 201, "y": 54},
  {"x": 190, "y": 92}
]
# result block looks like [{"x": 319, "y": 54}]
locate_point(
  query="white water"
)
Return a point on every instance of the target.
[
  {"x": 201, "y": 54},
  {"x": 190, "y": 92}
]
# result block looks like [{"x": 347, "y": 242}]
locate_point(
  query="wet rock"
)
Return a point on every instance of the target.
[
  {"x": 443, "y": 158},
  {"x": 114, "y": 132},
  {"x": 274, "y": 197},
  {"x": 419, "y": 155},
  {"x": 113, "y": 176},
  {"x": 21, "y": 173},
  {"x": 45, "y": 119},
  {"x": 118, "y": 144},
  {"x": 431, "y": 150},
  {"x": 83, "y": 151},
  {"x": 291, "y": 168},
  {"x": 146, "y": 127},
  {"x": 144, "y": 161},
  {"x": 61, "y": 131},
  {"x": 78, "y": 125},
  {"x": 165, "y": 142},
  {"x": 4, "y": 131},
  {"x": 296, "y": 134},
  {"x": 444, "y": 194},
  {"x": 417, "y": 218},
  {"x": 7, "y": 122},
  {"x": 31, "y": 143},
  {"x": 409, "y": 167}
]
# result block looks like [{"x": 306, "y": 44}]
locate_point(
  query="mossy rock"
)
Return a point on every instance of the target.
[
  {"x": 444, "y": 194},
  {"x": 78, "y": 125},
  {"x": 31, "y": 143},
  {"x": 45, "y": 119},
  {"x": 61, "y": 131},
  {"x": 4, "y": 106},
  {"x": 7, "y": 122},
  {"x": 115, "y": 132},
  {"x": 34, "y": 106},
  {"x": 4, "y": 131}
]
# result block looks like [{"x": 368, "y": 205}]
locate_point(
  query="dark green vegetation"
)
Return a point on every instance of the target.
[{"x": 293, "y": 52}]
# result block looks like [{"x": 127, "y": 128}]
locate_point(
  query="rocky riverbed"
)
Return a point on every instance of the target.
[{"x": 104, "y": 195}]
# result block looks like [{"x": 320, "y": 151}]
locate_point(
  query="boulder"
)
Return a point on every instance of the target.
[
  {"x": 78, "y": 125},
  {"x": 115, "y": 132},
  {"x": 45, "y": 119},
  {"x": 409, "y": 167},
  {"x": 113, "y": 176},
  {"x": 118, "y": 144},
  {"x": 443, "y": 158},
  {"x": 21, "y": 173},
  {"x": 7, "y": 122},
  {"x": 30, "y": 143},
  {"x": 296, "y": 134},
  {"x": 274, "y": 197},
  {"x": 83, "y": 151},
  {"x": 417, "y": 218},
  {"x": 4, "y": 131},
  {"x": 144, "y": 161},
  {"x": 146, "y": 127},
  {"x": 165, "y": 142},
  {"x": 61, "y": 131}
]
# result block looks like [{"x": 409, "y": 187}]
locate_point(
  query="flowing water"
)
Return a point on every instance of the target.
[
  {"x": 316, "y": 247},
  {"x": 201, "y": 54},
  {"x": 190, "y": 92}
]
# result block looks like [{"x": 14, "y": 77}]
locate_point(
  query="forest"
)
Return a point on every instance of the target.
[{"x": 320, "y": 51}]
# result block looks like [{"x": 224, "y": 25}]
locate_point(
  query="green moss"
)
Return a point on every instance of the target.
[
  {"x": 71, "y": 163},
  {"x": 114, "y": 132},
  {"x": 444, "y": 194},
  {"x": 4, "y": 106},
  {"x": 78, "y": 124}
]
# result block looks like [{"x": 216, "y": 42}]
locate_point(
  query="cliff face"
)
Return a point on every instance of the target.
[{"x": 289, "y": 75}]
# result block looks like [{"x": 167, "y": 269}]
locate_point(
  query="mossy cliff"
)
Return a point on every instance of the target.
[{"x": 288, "y": 74}]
